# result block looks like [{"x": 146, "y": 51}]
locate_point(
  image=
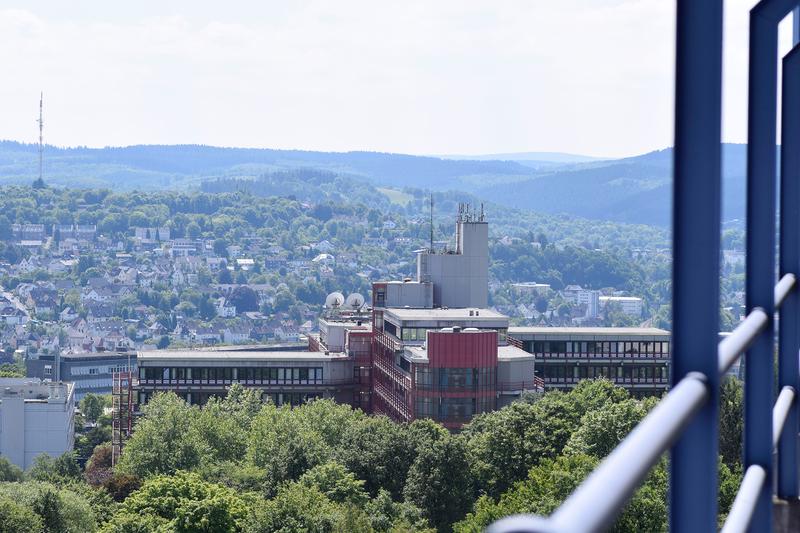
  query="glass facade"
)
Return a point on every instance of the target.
[
  {"x": 452, "y": 409},
  {"x": 420, "y": 334},
  {"x": 598, "y": 348},
  {"x": 454, "y": 379}
]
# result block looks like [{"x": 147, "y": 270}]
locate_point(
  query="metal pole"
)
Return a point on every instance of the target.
[
  {"x": 796, "y": 26},
  {"x": 695, "y": 267},
  {"x": 788, "y": 364},
  {"x": 761, "y": 154}
]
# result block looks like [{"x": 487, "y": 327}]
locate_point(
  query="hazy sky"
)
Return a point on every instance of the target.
[{"x": 421, "y": 76}]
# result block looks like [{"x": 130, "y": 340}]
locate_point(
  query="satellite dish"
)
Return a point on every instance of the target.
[
  {"x": 354, "y": 301},
  {"x": 334, "y": 299}
]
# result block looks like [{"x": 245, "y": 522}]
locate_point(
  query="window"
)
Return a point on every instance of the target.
[
  {"x": 48, "y": 370},
  {"x": 93, "y": 371}
]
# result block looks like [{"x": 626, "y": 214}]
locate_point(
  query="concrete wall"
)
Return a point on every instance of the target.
[
  {"x": 460, "y": 279},
  {"x": 30, "y": 427}
]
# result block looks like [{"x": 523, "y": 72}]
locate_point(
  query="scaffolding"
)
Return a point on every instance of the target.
[{"x": 123, "y": 407}]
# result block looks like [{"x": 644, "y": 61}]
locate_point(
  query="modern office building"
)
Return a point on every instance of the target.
[
  {"x": 438, "y": 351},
  {"x": 90, "y": 372},
  {"x": 35, "y": 418},
  {"x": 428, "y": 347},
  {"x": 284, "y": 377},
  {"x": 635, "y": 358}
]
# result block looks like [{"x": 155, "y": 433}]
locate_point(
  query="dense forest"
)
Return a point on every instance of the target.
[{"x": 236, "y": 465}]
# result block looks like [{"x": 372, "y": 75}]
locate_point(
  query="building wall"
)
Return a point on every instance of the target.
[
  {"x": 30, "y": 427},
  {"x": 90, "y": 373},
  {"x": 460, "y": 279},
  {"x": 459, "y": 380}
]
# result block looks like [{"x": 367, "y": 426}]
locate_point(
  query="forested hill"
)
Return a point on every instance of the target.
[
  {"x": 634, "y": 190},
  {"x": 160, "y": 167}
]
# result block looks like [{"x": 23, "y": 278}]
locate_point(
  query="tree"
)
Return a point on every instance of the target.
[
  {"x": 163, "y": 442},
  {"x": 224, "y": 277},
  {"x": 334, "y": 481},
  {"x": 163, "y": 342},
  {"x": 439, "y": 482},
  {"x": 541, "y": 304},
  {"x": 378, "y": 451},
  {"x": 9, "y": 471},
  {"x": 60, "y": 469},
  {"x": 603, "y": 429},
  {"x": 731, "y": 421},
  {"x": 221, "y": 247},
  {"x": 245, "y": 299},
  {"x": 298, "y": 507},
  {"x": 92, "y": 406},
  {"x": 60, "y": 509},
  {"x": 182, "y": 503},
  {"x": 193, "y": 230},
  {"x": 16, "y": 517}
]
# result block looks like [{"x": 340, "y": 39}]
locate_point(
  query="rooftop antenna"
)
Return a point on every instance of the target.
[
  {"x": 41, "y": 136},
  {"x": 482, "y": 216},
  {"x": 431, "y": 222}
]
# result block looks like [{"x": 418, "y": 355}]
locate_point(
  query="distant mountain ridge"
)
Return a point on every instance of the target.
[{"x": 634, "y": 189}]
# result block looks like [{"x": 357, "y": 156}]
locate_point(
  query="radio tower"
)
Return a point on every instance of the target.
[{"x": 41, "y": 136}]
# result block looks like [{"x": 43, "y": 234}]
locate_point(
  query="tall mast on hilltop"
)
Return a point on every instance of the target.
[
  {"x": 41, "y": 136},
  {"x": 431, "y": 222}
]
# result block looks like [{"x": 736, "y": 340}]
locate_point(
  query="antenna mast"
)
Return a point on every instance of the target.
[
  {"x": 41, "y": 136},
  {"x": 431, "y": 222}
]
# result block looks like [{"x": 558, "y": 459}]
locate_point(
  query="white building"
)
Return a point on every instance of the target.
[
  {"x": 630, "y": 305},
  {"x": 35, "y": 418}
]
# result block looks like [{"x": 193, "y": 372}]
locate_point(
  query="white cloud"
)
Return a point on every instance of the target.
[{"x": 416, "y": 76}]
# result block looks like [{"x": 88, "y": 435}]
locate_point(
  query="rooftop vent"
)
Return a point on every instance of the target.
[{"x": 456, "y": 329}]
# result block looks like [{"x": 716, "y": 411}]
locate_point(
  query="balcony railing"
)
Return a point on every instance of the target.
[{"x": 686, "y": 420}]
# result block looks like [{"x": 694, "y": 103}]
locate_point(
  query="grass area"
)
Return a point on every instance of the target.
[{"x": 395, "y": 196}]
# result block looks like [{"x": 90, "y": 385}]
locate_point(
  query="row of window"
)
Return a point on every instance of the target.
[
  {"x": 95, "y": 370},
  {"x": 614, "y": 372},
  {"x": 607, "y": 348},
  {"x": 420, "y": 334},
  {"x": 455, "y": 378},
  {"x": 278, "y": 398},
  {"x": 455, "y": 409},
  {"x": 274, "y": 375}
]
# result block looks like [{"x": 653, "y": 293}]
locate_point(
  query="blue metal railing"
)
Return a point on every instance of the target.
[{"x": 686, "y": 420}]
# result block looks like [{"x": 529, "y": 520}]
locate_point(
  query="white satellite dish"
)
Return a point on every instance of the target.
[
  {"x": 334, "y": 299},
  {"x": 354, "y": 301}
]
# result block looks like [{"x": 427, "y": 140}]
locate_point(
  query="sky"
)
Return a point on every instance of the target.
[{"x": 592, "y": 77}]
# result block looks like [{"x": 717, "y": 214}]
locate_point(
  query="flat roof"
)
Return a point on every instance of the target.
[
  {"x": 438, "y": 313},
  {"x": 505, "y": 353},
  {"x": 234, "y": 355},
  {"x": 588, "y": 332}
]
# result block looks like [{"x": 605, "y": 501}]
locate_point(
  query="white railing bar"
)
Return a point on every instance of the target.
[
  {"x": 780, "y": 412},
  {"x": 783, "y": 288},
  {"x": 735, "y": 344},
  {"x": 594, "y": 505},
  {"x": 745, "y": 503}
]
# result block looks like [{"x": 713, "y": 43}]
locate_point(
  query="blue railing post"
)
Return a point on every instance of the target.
[
  {"x": 788, "y": 364},
  {"x": 760, "y": 281},
  {"x": 695, "y": 266}
]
